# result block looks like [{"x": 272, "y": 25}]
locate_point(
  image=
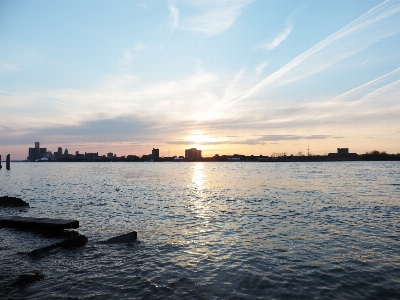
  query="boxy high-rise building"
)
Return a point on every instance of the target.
[
  {"x": 37, "y": 152},
  {"x": 192, "y": 154},
  {"x": 155, "y": 154}
]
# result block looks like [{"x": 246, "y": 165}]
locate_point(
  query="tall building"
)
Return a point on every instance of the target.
[
  {"x": 192, "y": 154},
  {"x": 155, "y": 154},
  {"x": 37, "y": 152},
  {"x": 37, "y": 149}
]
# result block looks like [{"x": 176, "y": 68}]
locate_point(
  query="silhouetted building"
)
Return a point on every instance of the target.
[
  {"x": 236, "y": 157},
  {"x": 343, "y": 154},
  {"x": 92, "y": 155},
  {"x": 58, "y": 154},
  {"x": 155, "y": 153},
  {"x": 49, "y": 155},
  {"x": 110, "y": 155},
  {"x": 192, "y": 154},
  {"x": 66, "y": 152},
  {"x": 37, "y": 152}
]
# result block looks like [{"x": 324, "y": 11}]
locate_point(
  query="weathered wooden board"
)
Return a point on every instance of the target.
[{"x": 27, "y": 223}]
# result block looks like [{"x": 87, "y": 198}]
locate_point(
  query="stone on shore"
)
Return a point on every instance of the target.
[
  {"x": 12, "y": 201},
  {"x": 124, "y": 238}
]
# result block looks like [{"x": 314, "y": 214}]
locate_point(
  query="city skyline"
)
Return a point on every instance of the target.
[
  {"x": 243, "y": 76},
  {"x": 39, "y": 154}
]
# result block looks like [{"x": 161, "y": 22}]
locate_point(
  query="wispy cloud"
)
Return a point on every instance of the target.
[
  {"x": 363, "y": 90},
  {"x": 283, "y": 35},
  {"x": 173, "y": 14},
  {"x": 215, "y": 16},
  {"x": 239, "y": 142},
  {"x": 131, "y": 53},
  {"x": 7, "y": 67},
  {"x": 285, "y": 137},
  {"x": 260, "y": 67},
  {"x": 278, "y": 39},
  {"x": 378, "y": 23},
  {"x": 254, "y": 141},
  {"x": 12, "y": 93}
]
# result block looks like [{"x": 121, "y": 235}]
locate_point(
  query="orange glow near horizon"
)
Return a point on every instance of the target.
[{"x": 199, "y": 138}]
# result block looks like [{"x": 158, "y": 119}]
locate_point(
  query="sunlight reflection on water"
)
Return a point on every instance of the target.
[{"x": 213, "y": 230}]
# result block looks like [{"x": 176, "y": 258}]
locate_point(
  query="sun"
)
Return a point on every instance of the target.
[{"x": 200, "y": 138}]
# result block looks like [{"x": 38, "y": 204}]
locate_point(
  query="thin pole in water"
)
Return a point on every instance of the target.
[{"x": 8, "y": 162}]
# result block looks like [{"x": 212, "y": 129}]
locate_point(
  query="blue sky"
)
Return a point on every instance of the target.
[{"x": 240, "y": 76}]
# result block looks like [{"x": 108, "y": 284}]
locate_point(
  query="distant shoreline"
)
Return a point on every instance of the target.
[{"x": 272, "y": 160}]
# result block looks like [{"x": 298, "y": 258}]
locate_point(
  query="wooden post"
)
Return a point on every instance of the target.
[
  {"x": 8, "y": 162},
  {"x": 0, "y": 163}
]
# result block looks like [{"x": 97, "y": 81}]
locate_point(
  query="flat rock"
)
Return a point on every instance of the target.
[
  {"x": 27, "y": 223},
  {"x": 124, "y": 238},
  {"x": 12, "y": 201}
]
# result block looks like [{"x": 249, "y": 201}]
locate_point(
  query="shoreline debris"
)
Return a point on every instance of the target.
[
  {"x": 8, "y": 162},
  {"x": 124, "y": 238},
  {"x": 12, "y": 201},
  {"x": 75, "y": 240},
  {"x": 21, "y": 281},
  {"x": 28, "y": 223}
]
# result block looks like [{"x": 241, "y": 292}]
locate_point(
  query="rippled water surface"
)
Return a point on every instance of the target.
[{"x": 211, "y": 230}]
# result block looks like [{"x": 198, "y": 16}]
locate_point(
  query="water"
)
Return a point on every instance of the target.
[{"x": 211, "y": 230}]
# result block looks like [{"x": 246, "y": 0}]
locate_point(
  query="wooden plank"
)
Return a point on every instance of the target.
[{"x": 27, "y": 223}]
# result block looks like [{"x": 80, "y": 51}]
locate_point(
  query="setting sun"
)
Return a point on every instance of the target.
[{"x": 200, "y": 138}]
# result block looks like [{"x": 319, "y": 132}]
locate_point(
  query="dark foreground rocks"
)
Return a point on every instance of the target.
[
  {"x": 50, "y": 228},
  {"x": 44, "y": 224},
  {"x": 72, "y": 242},
  {"x": 12, "y": 201},
  {"x": 124, "y": 238},
  {"x": 20, "y": 282}
]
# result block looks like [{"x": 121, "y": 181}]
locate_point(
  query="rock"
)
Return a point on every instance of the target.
[
  {"x": 74, "y": 241},
  {"x": 124, "y": 238},
  {"x": 20, "y": 282},
  {"x": 12, "y": 201},
  {"x": 41, "y": 252},
  {"x": 42, "y": 224},
  {"x": 25, "y": 279}
]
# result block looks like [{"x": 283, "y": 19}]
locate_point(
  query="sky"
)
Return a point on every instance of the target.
[{"x": 227, "y": 77}]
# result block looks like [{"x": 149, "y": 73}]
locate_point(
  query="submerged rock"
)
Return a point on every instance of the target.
[
  {"x": 74, "y": 241},
  {"x": 20, "y": 282},
  {"x": 25, "y": 279},
  {"x": 12, "y": 201},
  {"x": 124, "y": 238}
]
